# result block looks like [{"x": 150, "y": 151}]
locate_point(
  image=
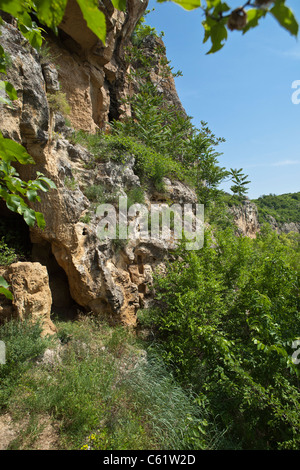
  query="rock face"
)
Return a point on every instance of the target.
[
  {"x": 246, "y": 218},
  {"x": 109, "y": 278},
  {"x": 154, "y": 50},
  {"x": 286, "y": 227},
  {"x": 91, "y": 75}
]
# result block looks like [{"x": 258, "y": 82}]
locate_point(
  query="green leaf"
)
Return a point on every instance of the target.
[
  {"x": 29, "y": 216},
  {"x": 119, "y": 4},
  {"x": 6, "y": 101},
  {"x": 32, "y": 195},
  {"x": 4, "y": 288},
  {"x": 40, "y": 220},
  {"x": 10, "y": 90},
  {"x": 12, "y": 151},
  {"x": 3, "y": 282},
  {"x": 94, "y": 18},
  {"x": 32, "y": 34},
  {"x": 13, "y": 7},
  {"x": 220, "y": 7},
  {"x": 253, "y": 17},
  {"x": 13, "y": 202},
  {"x": 2, "y": 60},
  {"x": 218, "y": 34},
  {"x": 50, "y": 12},
  {"x": 285, "y": 17},
  {"x": 46, "y": 180}
]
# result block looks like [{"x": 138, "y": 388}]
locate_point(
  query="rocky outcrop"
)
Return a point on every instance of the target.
[
  {"x": 29, "y": 284},
  {"x": 246, "y": 218},
  {"x": 154, "y": 51},
  {"x": 112, "y": 278},
  {"x": 247, "y": 221},
  {"x": 286, "y": 227},
  {"x": 93, "y": 76}
]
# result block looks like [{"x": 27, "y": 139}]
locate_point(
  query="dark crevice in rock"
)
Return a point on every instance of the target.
[
  {"x": 114, "y": 112},
  {"x": 15, "y": 233},
  {"x": 63, "y": 306}
]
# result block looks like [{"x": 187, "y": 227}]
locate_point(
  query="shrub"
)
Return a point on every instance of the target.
[
  {"x": 135, "y": 195},
  {"x": 102, "y": 390},
  {"x": 284, "y": 208},
  {"x": 58, "y": 103},
  {"x": 97, "y": 193},
  {"x": 149, "y": 165},
  {"x": 71, "y": 183},
  {"x": 7, "y": 255},
  {"x": 226, "y": 318},
  {"x": 23, "y": 344}
]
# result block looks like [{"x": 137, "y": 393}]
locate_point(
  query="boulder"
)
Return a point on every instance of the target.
[{"x": 29, "y": 284}]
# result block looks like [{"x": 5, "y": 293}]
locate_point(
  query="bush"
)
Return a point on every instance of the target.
[
  {"x": 284, "y": 208},
  {"x": 149, "y": 165},
  {"x": 23, "y": 344},
  {"x": 58, "y": 103},
  {"x": 7, "y": 254},
  {"x": 226, "y": 318},
  {"x": 135, "y": 195},
  {"x": 102, "y": 390},
  {"x": 97, "y": 193}
]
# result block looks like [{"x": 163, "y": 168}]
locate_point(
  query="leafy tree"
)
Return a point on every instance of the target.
[
  {"x": 239, "y": 181},
  {"x": 203, "y": 157}
]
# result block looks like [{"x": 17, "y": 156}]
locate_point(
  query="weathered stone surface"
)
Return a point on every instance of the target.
[
  {"x": 246, "y": 218},
  {"x": 175, "y": 191},
  {"x": 247, "y": 221},
  {"x": 92, "y": 75},
  {"x": 287, "y": 227},
  {"x": 51, "y": 78},
  {"x": 164, "y": 83},
  {"x": 29, "y": 118},
  {"x": 29, "y": 284}
]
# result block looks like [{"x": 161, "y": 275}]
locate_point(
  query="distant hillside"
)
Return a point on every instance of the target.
[{"x": 279, "y": 210}]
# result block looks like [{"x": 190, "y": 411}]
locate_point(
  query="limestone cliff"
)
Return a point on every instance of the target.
[
  {"x": 245, "y": 217},
  {"x": 248, "y": 220},
  {"x": 83, "y": 271}
]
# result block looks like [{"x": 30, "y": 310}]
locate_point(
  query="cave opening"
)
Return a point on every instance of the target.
[
  {"x": 16, "y": 245},
  {"x": 64, "y": 307}
]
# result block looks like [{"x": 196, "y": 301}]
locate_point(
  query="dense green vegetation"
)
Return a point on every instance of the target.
[
  {"x": 284, "y": 208},
  {"x": 225, "y": 319}
]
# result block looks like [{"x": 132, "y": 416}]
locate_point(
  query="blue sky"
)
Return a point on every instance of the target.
[{"x": 244, "y": 93}]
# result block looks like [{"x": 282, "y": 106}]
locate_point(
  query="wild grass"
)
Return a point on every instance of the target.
[{"x": 100, "y": 389}]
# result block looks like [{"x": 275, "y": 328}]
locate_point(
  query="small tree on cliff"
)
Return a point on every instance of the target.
[{"x": 239, "y": 182}]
